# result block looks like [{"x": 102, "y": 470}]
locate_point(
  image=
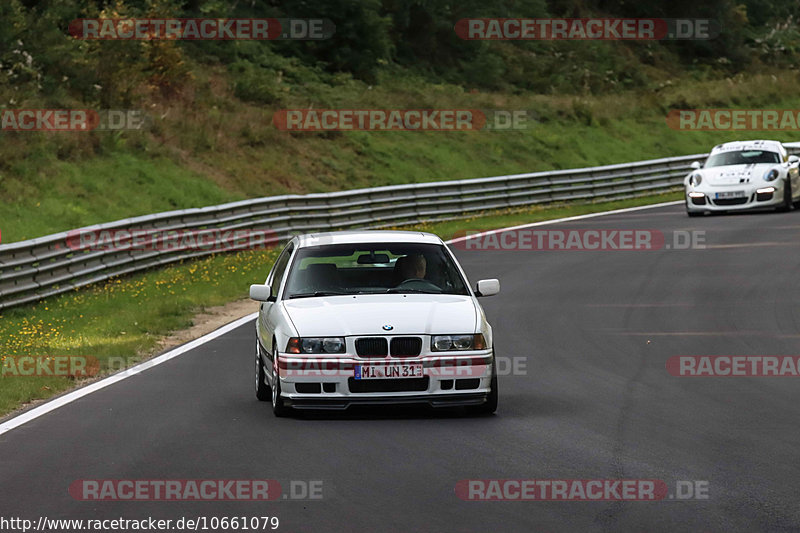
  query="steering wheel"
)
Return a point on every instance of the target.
[{"x": 418, "y": 284}]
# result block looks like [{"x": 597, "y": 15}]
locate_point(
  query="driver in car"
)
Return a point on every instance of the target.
[{"x": 412, "y": 267}]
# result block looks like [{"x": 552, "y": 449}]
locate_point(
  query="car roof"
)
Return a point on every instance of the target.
[
  {"x": 366, "y": 236},
  {"x": 773, "y": 146}
]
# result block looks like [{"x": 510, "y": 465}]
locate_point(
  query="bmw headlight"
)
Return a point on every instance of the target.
[
  {"x": 446, "y": 343},
  {"x": 695, "y": 179},
  {"x": 771, "y": 175},
  {"x": 312, "y": 345}
]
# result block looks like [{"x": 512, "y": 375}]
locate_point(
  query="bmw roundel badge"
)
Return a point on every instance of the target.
[{"x": 388, "y": 327}]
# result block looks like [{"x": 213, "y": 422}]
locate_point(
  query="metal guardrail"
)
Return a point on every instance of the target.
[{"x": 45, "y": 266}]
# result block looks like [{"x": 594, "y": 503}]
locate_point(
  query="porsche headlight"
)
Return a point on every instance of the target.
[
  {"x": 695, "y": 179},
  {"x": 446, "y": 343},
  {"x": 771, "y": 175},
  {"x": 316, "y": 345}
]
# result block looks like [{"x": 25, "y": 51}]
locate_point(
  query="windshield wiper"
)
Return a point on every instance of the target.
[{"x": 317, "y": 293}]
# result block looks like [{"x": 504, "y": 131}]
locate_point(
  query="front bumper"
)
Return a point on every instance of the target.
[
  {"x": 704, "y": 198},
  {"x": 434, "y": 400},
  {"x": 330, "y": 383}
]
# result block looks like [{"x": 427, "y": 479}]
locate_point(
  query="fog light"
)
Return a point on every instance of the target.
[
  {"x": 765, "y": 194},
  {"x": 697, "y": 198}
]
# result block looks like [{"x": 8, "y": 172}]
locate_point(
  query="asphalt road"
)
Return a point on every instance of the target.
[{"x": 595, "y": 329}]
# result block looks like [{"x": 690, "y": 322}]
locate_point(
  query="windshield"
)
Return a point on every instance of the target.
[
  {"x": 373, "y": 268},
  {"x": 742, "y": 157}
]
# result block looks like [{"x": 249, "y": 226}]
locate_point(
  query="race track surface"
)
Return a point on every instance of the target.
[{"x": 594, "y": 330}]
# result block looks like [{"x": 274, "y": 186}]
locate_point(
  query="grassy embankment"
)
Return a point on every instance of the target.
[{"x": 212, "y": 148}]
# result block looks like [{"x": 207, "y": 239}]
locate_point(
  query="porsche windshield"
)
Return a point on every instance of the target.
[
  {"x": 373, "y": 268},
  {"x": 742, "y": 157}
]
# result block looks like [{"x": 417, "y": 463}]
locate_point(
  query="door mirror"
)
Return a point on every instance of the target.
[
  {"x": 793, "y": 159},
  {"x": 695, "y": 165},
  {"x": 260, "y": 293},
  {"x": 487, "y": 287}
]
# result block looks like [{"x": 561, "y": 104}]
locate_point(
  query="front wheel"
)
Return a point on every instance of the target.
[
  {"x": 787, "y": 204},
  {"x": 262, "y": 389},
  {"x": 278, "y": 407}
]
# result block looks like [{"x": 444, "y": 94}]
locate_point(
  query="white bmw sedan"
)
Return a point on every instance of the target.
[
  {"x": 743, "y": 175},
  {"x": 372, "y": 317}
]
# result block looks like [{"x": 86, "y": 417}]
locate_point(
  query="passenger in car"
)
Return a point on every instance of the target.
[{"x": 322, "y": 277}]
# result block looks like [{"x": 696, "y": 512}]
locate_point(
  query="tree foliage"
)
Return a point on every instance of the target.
[{"x": 38, "y": 57}]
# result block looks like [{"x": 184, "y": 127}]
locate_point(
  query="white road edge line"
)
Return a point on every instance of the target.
[
  {"x": 567, "y": 219},
  {"x": 70, "y": 397}
]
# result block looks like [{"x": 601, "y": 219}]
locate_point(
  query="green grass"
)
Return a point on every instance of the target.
[
  {"x": 216, "y": 148},
  {"x": 72, "y": 195},
  {"x": 123, "y": 319}
]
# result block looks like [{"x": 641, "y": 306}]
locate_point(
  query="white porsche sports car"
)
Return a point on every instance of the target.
[
  {"x": 372, "y": 317},
  {"x": 743, "y": 175}
]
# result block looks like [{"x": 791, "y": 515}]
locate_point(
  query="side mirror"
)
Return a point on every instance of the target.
[
  {"x": 260, "y": 293},
  {"x": 695, "y": 165},
  {"x": 487, "y": 287},
  {"x": 793, "y": 159}
]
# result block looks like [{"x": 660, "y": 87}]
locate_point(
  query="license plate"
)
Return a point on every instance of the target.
[
  {"x": 388, "y": 371},
  {"x": 730, "y": 194}
]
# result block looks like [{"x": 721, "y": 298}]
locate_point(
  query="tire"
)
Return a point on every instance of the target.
[
  {"x": 787, "y": 204},
  {"x": 278, "y": 407},
  {"x": 262, "y": 389},
  {"x": 490, "y": 406}
]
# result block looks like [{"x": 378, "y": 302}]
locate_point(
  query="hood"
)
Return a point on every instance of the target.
[
  {"x": 366, "y": 314},
  {"x": 736, "y": 174}
]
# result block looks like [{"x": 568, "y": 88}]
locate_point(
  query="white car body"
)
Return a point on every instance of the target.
[
  {"x": 331, "y": 380},
  {"x": 771, "y": 180}
]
